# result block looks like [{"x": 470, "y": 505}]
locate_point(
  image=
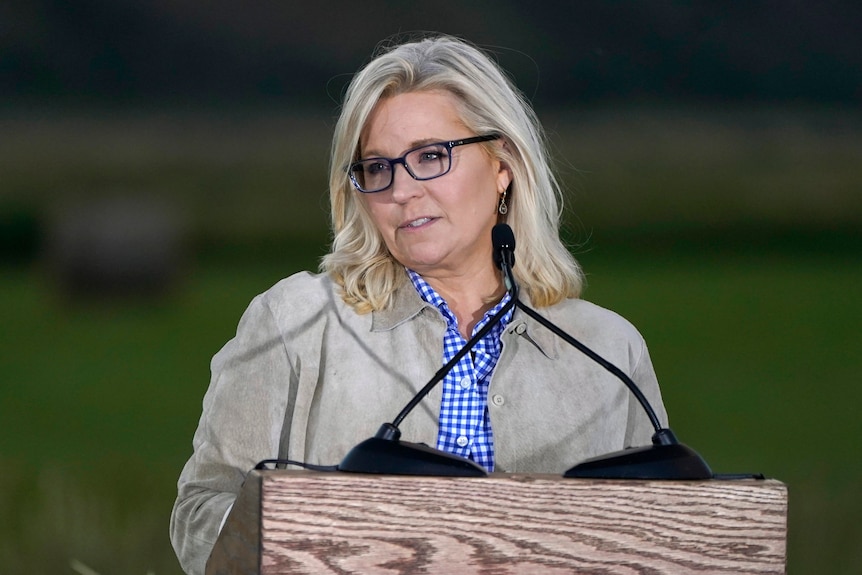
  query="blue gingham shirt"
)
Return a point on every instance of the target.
[{"x": 464, "y": 426}]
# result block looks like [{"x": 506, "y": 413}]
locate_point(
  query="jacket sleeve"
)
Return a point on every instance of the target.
[
  {"x": 244, "y": 420},
  {"x": 639, "y": 430}
]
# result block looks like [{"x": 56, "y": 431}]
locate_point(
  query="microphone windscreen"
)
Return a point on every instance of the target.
[{"x": 503, "y": 240}]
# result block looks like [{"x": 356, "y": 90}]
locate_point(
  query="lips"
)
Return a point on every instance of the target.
[{"x": 416, "y": 223}]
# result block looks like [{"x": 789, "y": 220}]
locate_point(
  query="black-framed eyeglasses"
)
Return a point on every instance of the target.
[{"x": 424, "y": 162}]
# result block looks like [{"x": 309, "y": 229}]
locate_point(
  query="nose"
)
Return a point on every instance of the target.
[{"x": 404, "y": 185}]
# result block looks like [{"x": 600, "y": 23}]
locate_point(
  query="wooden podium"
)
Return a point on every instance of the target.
[{"x": 311, "y": 522}]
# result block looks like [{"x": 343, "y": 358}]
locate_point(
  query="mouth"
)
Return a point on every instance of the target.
[{"x": 417, "y": 223}]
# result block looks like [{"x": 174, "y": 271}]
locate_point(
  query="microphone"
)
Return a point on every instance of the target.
[
  {"x": 503, "y": 240},
  {"x": 666, "y": 458},
  {"x": 386, "y": 454}
]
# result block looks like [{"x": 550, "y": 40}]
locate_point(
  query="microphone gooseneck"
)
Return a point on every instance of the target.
[
  {"x": 385, "y": 453},
  {"x": 621, "y": 375},
  {"x": 666, "y": 458},
  {"x": 441, "y": 373}
]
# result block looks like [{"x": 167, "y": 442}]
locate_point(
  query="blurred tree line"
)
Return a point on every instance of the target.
[{"x": 133, "y": 51}]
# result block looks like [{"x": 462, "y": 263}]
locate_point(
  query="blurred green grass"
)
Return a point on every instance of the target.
[
  {"x": 97, "y": 411},
  {"x": 730, "y": 240}
]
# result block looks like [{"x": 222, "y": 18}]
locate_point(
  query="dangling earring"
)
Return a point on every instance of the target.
[{"x": 503, "y": 209}]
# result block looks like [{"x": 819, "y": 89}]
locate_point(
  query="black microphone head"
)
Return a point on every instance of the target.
[{"x": 503, "y": 240}]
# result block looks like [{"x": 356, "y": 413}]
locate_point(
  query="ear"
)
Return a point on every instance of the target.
[{"x": 504, "y": 176}]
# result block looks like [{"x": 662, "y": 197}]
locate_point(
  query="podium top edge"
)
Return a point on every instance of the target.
[{"x": 514, "y": 477}]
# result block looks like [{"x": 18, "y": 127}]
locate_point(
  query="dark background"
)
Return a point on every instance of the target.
[{"x": 134, "y": 52}]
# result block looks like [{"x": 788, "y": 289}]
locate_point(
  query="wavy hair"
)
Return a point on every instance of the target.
[{"x": 488, "y": 103}]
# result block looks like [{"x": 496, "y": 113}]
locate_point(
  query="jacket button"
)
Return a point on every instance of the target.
[
  {"x": 498, "y": 400},
  {"x": 521, "y": 328}
]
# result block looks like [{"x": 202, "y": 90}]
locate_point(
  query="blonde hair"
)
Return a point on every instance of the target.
[{"x": 489, "y": 103}]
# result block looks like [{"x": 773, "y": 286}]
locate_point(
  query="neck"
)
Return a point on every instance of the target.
[{"x": 469, "y": 297}]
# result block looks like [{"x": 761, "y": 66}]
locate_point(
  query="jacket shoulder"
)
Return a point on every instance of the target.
[
  {"x": 589, "y": 318},
  {"x": 303, "y": 294},
  {"x": 295, "y": 305}
]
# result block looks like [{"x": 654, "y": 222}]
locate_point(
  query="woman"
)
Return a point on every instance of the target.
[{"x": 433, "y": 147}]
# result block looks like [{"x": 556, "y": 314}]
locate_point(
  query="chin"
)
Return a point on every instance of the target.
[{"x": 423, "y": 265}]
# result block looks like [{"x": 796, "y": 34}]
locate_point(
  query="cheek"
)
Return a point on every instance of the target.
[
  {"x": 379, "y": 213},
  {"x": 480, "y": 202},
  {"x": 484, "y": 193}
]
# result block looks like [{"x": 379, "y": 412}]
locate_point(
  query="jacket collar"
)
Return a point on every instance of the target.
[
  {"x": 407, "y": 304},
  {"x": 529, "y": 329}
]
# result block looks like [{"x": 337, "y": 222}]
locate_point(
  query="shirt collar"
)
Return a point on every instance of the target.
[
  {"x": 430, "y": 295},
  {"x": 407, "y": 304}
]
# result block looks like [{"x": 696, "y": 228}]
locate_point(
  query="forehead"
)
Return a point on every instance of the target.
[{"x": 405, "y": 120}]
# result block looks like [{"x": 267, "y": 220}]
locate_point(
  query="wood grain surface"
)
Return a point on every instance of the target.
[{"x": 353, "y": 523}]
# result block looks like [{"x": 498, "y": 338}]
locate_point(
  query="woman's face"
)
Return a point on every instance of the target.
[{"x": 439, "y": 227}]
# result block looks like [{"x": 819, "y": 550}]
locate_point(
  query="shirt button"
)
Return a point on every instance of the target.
[
  {"x": 465, "y": 382},
  {"x": 498, "y": 400},
  {"x": 462, "y": 441}
]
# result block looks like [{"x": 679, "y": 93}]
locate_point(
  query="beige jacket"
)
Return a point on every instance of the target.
[{"x": 307, "y": 378}]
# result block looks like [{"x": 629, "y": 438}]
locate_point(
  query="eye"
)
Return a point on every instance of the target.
[
  {"x": 374, "y": 167},
  {"x": 432, "y": 154}
]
